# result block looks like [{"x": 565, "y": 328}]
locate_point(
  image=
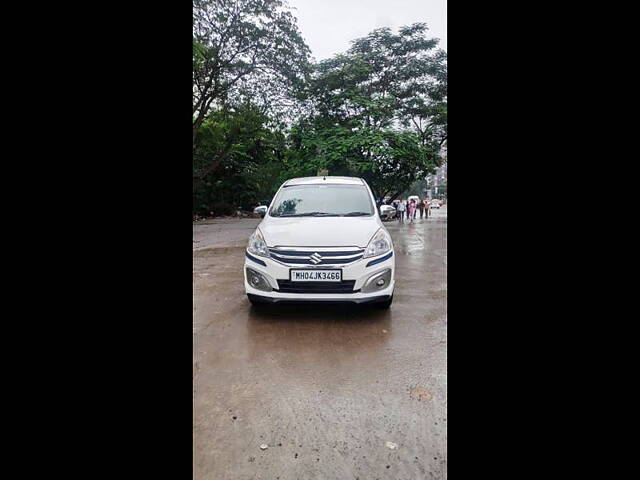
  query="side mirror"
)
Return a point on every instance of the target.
[{"x": 261, "y": 210}]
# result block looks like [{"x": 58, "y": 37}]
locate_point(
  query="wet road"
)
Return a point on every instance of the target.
[
  {"x": 223, "y": 232},
  {"x": 325, "y": 387}
]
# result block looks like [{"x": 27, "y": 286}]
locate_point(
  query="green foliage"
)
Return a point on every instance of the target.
[
  {"x": 263, "y": 114},
  {"x": 244, "y": 49},
  {"x": 362, "y": 100},
  {"x": 387, "y": 159},
  {"x": 236, "y": 159}
]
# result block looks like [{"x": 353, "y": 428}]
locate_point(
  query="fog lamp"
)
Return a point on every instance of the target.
[
  {"x": 377, "y": 281},
  {"x": 257, "y": 280}
]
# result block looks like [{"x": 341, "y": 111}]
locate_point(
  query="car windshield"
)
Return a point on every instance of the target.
[{"x": 323, "y": 200}]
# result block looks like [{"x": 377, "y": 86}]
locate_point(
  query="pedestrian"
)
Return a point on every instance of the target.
[
  {"x": 412, "y": 209},
  {"x": 427, "y": 207},
  {"x": 401, "y": 209},
  {"x": 421, "y": 208}
]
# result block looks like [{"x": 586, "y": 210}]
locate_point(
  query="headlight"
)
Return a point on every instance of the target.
[
  {"x": 257, "y": 245},
  {"x": 379, "y": 244}
]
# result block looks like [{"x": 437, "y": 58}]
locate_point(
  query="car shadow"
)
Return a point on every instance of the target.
[
  {"x": 318, "y": 312},
  {"x": 320, "y": 328}
]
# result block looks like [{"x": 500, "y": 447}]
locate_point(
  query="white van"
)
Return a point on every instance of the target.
[{"x": 321, "y": 240}]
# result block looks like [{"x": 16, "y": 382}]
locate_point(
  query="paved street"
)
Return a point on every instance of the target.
[
  {"x": 223, "y": 232},
  {"x": 325, "y": 387}
]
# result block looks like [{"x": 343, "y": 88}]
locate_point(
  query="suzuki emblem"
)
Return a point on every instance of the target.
[{"x": 315, "y": 258}]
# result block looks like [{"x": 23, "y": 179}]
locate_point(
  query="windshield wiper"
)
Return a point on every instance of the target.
[
  {"x": 356, "y": 214},
  {"x": 309, "y": 214}
]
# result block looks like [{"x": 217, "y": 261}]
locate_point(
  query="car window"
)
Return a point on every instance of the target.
[{"x": 322, "y": 200}]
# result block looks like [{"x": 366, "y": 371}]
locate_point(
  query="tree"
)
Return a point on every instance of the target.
[
  {"x": 362, "y": 103},
  {"x": 262, "y": 114},
  {"x": 424, "y": 107},
  {"x": 389, "y": 160},
  {"x": 237, "y": 43},
  {"x": 237, "y": 152}
]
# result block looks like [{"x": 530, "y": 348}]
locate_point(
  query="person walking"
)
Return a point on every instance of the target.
[
  {"x": 421, "y": 208},
  {"x": 427, "y": 207},
  {"x": 401, "y": 209},
  {"x": 412, "y": 210}
]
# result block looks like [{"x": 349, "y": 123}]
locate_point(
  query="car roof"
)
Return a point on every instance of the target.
[{"x": 325, "y": 180}]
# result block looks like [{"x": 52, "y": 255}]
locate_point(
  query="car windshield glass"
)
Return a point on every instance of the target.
[{"x": 322, "y": 201}]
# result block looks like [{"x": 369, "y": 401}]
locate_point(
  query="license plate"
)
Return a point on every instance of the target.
[{"x": 316, "y": 275}]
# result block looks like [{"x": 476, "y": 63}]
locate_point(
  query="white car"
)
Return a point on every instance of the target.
[
  {"x": 321, "y": 240},
  {"x": 387, "y": 212},
  {"x": 434, "y": 204}
]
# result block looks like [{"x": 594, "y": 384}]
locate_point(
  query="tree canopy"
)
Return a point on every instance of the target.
[
  {"x": 264, "y": 113},
  {"x": 244, "y": 48}
]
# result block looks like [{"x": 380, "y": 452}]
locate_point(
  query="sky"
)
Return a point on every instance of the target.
[{"x": 329, "y": 25}]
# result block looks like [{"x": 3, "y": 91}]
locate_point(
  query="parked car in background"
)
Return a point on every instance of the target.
[
  {"x": 387, "y": 212},
  {"x": 435, "y": 203}
]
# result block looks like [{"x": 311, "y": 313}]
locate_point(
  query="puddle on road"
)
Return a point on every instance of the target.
[
  {"x": 412, "y": 245},
  {"x": 411, "y": 241}
]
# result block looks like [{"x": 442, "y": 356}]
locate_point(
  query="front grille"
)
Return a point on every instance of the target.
[
  {"x": 324, "y": 261},
  {"x": 309, "y": 256},
  {"x": 345, "y": 286}
]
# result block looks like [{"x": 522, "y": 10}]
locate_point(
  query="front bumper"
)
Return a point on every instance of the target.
[
  {"x": 357, "y": 271},
  {"x": 264, "y": 299}
]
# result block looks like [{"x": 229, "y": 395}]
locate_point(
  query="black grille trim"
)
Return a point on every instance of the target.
[
  {"x": 329, "y": 257},
  {"x": 345, "y": 286}
]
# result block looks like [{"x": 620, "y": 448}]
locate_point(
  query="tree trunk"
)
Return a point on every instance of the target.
[
  {"x": 215, "y": 163},
  {"x": 200, "y": 119},
  {"x": 394, "y": 196}
]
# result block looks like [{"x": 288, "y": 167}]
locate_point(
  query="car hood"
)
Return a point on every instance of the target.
[{"x": 319, "y": 231}]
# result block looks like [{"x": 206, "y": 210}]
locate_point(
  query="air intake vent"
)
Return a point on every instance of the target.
[{"x": 287, "y": 286}]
